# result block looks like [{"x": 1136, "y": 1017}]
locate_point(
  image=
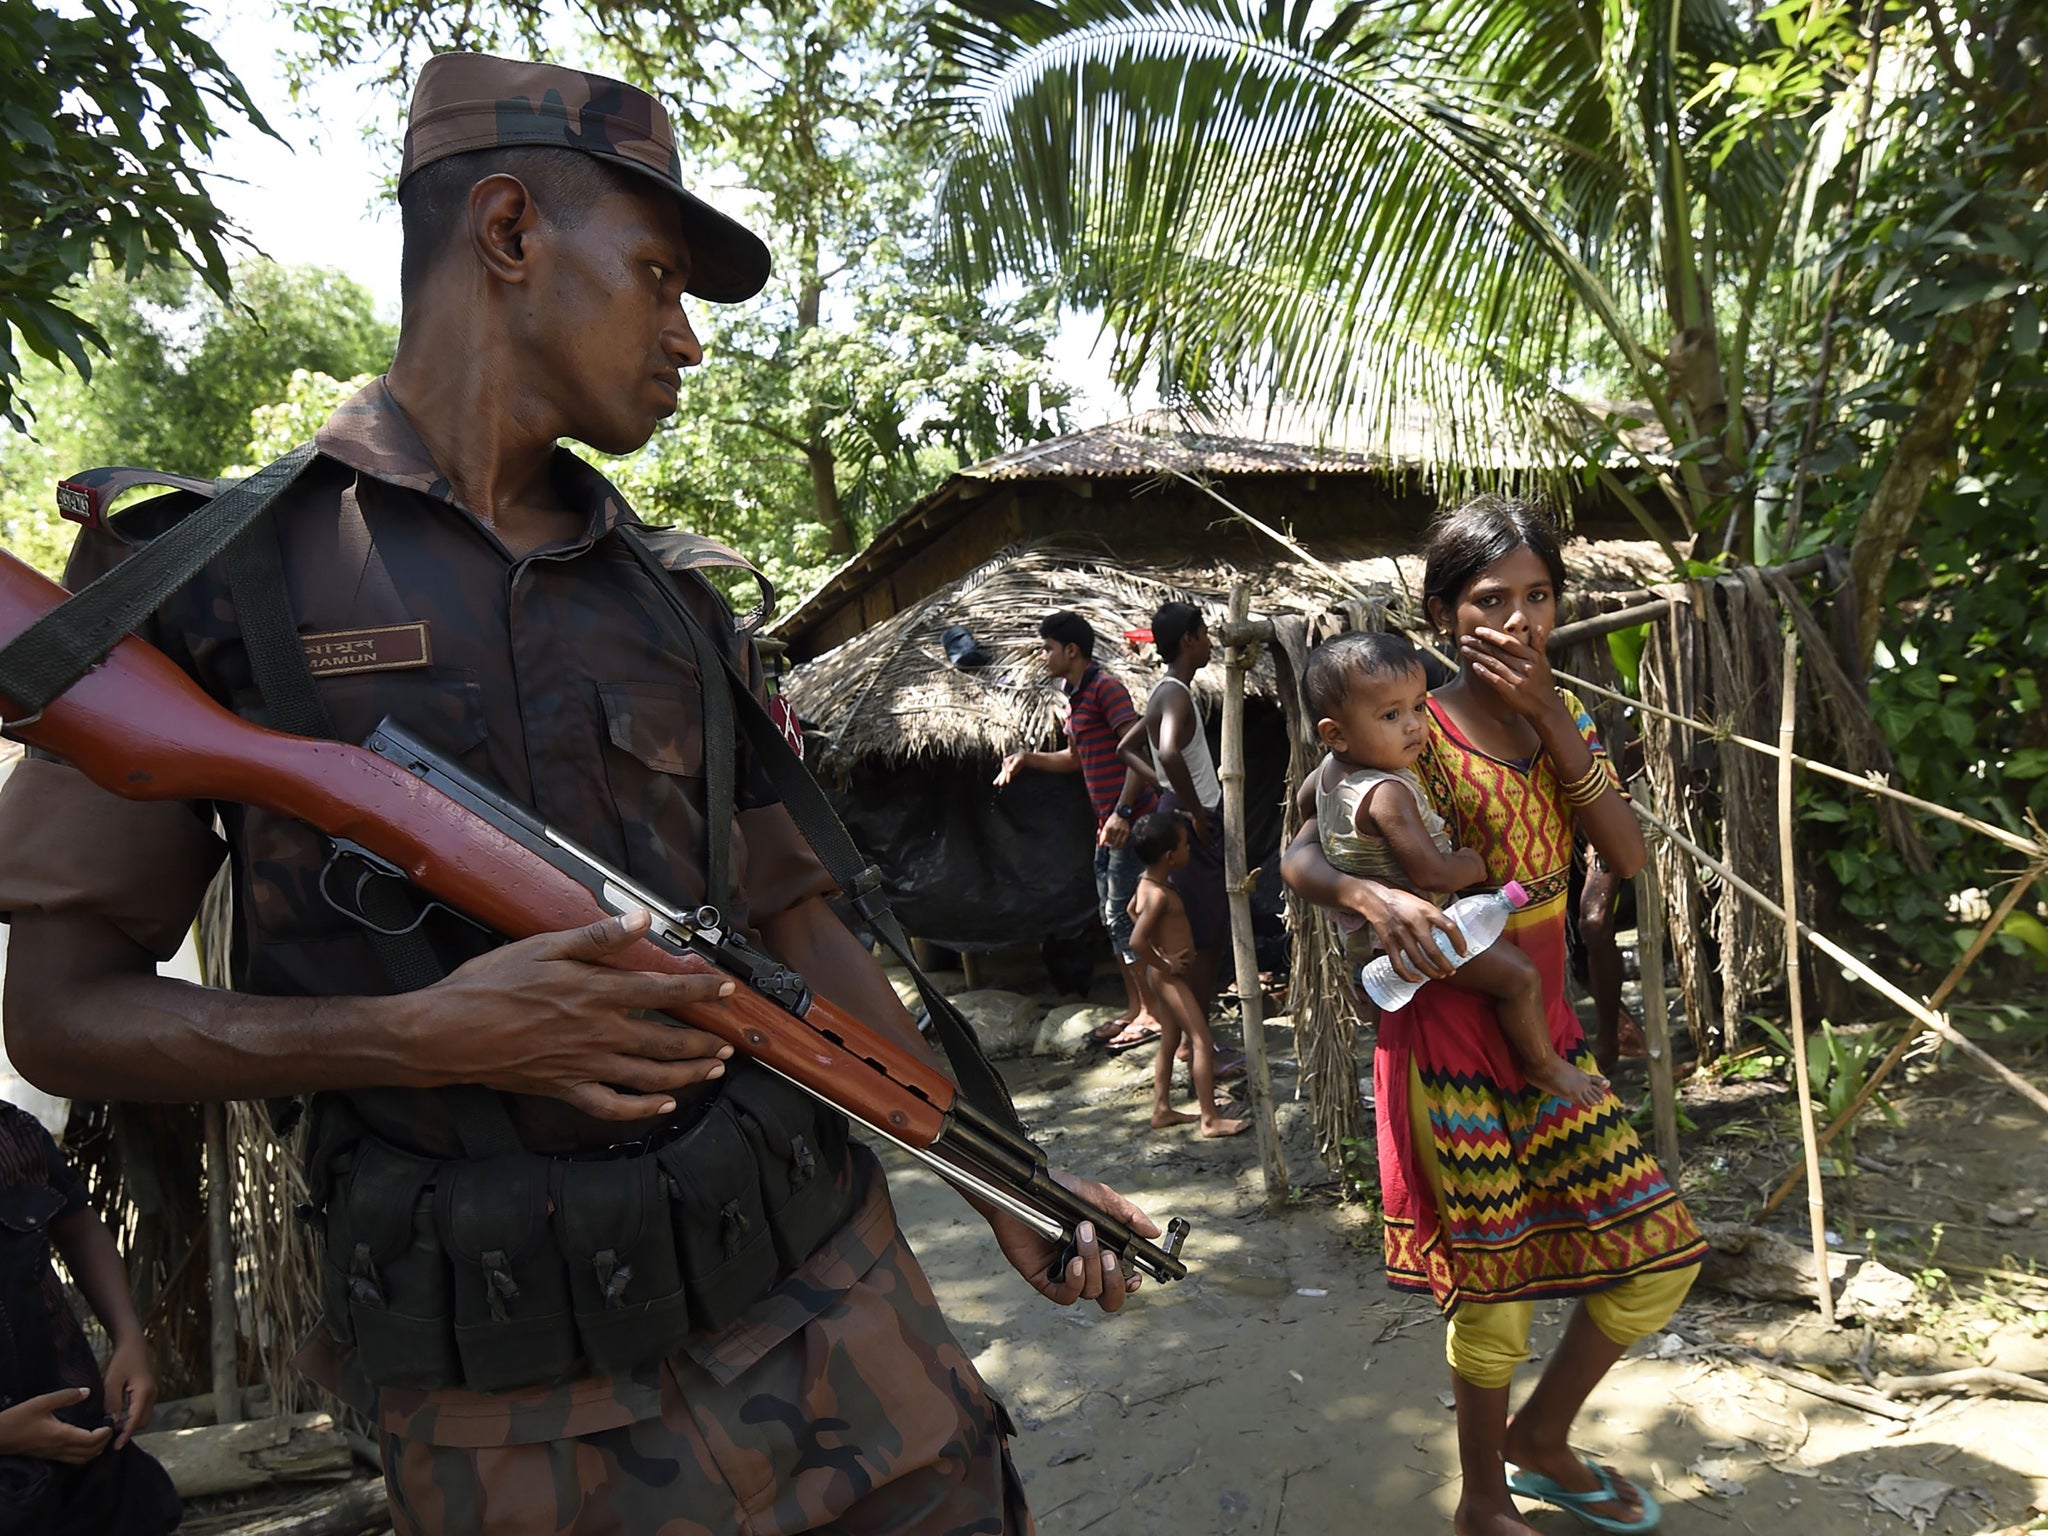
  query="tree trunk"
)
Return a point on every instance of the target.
[
  {"x": 1947, "y": 383},
  {"x": 227, "y": 1458},
  {"x": 825, "y": 501},
  {"x": 826, "y": 506},
  {"x": 354, "y": 1509}
]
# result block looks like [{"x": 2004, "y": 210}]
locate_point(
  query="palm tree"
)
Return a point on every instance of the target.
[{"x": 1459, "y": 215}]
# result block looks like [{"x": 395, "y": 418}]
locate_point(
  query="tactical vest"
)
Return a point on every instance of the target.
[{"x": 506, "y": 1267}]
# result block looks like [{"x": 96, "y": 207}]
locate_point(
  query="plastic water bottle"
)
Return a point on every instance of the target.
[{"x": 1483, "y": 918}]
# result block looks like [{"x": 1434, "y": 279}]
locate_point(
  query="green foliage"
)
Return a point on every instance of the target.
[
  {"x": 186, "y": 374},
  {"x": 274, "y": 429},
  {"x": 862, "y": 377},
  {"x": 1838, "y": 1064},
  {"x": 186, "y": 368},
  {"x": 1444, "y": 218},
  {"x": 110, "y": 108},
  {"x": 1958, "y": 688}
]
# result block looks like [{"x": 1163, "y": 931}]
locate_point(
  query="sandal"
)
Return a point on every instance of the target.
[
  {"x": 1534, "y": 1485},
  {"x": 1131, "y": 1037},
  {"x": 1102, "y": 1034}
]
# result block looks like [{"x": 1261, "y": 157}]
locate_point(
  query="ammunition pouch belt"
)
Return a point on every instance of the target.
[{"x": 501, "y": 1272}]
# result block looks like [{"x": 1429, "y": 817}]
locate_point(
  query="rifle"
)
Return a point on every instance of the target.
[{"x": 139, "y": 727}]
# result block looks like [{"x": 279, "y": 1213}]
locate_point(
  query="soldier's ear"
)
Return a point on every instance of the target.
[{"x": 502, "y": 215}]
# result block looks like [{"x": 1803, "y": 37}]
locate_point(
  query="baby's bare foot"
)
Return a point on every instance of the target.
[
  {"x": 1221, "y": 1127},
  {"x": 1163, "y": 1118},
  {"x": 1561, "y": 1080}
]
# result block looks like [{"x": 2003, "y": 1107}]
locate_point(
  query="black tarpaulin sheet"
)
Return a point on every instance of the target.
[{"x": 970, "y": 866}]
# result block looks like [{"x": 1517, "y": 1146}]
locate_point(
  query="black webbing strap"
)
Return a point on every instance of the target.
[
  {"x": 720, "y": 749},
  {"x": 859, "y": 881},
  {"x": 277, "y": 657},
  {"x": 75, "y": 636}
]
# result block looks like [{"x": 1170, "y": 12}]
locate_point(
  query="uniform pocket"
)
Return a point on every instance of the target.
[
  {"x": 661, "y": 724},
  {"x": 387, "y": 1284},
  {"x": 625, "y": 1283},
  {"x": 513, "y": 1322},
  {"x": 799, "y": 1152},
  {"x": 654, "y": 766},
  {"x": 721, "y": 1226}
]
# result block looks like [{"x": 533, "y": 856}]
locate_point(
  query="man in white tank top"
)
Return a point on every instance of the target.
[{"x": 1174, "y": 750}]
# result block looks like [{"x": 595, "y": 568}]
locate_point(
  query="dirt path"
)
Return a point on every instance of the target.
[{"x": 1283, "y": 1389}]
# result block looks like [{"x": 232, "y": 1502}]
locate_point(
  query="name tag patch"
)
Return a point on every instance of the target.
[{"x": 388, "y": 649}]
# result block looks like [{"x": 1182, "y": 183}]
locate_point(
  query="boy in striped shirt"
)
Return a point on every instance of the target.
[{"x": 1099, "y": 711}]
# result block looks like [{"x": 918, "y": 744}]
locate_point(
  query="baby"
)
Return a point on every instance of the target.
[
  {"x": 1370, "y": 696},
  {"x": 1165, "y": 946}
]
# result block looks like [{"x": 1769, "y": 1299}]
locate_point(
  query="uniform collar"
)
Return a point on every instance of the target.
[
  {"x": 372, "y": 436},
  {"x": 1088, "y": 675}
]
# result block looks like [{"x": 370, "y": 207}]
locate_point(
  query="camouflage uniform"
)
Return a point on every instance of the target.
[{"x": 838, "y": 1399}]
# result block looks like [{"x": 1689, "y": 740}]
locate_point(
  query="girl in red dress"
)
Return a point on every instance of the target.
[{"x": 1497, "y": 1194}]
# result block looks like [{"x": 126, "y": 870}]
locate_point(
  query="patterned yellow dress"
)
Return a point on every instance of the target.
[{"x": 1540, "y": 1198}]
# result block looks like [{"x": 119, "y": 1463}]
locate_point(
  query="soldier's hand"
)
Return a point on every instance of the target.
[
  {"x": 545, "y": 1016},
  {"x": 1092, "y": 1274},
  {"x": 32, "y": 1428}
]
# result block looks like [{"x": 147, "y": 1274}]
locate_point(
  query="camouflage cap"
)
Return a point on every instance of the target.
[{"x": 471, "y": 101}]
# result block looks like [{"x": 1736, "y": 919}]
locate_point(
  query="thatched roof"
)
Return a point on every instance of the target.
[
  {"x": 890, "y": 694},
  {"x": 1152, "y": 442}
]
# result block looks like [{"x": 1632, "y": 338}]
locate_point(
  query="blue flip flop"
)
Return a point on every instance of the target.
[{"x": 1534, "y": 1485}]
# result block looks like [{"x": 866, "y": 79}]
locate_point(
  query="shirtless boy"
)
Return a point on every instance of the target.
[{"x": 1165, "y": 945}]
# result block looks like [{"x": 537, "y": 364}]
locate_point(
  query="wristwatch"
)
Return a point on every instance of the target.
[{"x": 1122, "y": 812}]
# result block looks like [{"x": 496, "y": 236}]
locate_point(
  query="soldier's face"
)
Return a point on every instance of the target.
[{"x": 610, "y": 319}]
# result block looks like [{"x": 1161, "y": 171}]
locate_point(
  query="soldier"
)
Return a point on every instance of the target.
[{"x": 636, "y": 1286}]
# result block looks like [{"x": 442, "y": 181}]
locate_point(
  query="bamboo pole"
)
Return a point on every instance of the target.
[
  {"x": 1897, "y": 1053},
  {"x": 227, "y": 1396},
  {"x": 1858, "y": 968},
  {"x": 2034, "y": 847},
  {"x": 1657, "y": 1018},
  {"x": 1788, "y": 884},
  {"x": 1237, "y": 882}
]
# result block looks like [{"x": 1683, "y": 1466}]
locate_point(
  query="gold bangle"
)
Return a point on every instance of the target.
[{"x": 1588, "y": 786}]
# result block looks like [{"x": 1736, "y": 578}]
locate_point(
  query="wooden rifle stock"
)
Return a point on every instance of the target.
[{"x": 139, "y": 727}]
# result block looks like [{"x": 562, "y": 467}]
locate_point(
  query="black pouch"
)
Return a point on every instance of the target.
[
  {"x": 513, "y": 1324},
  {"x": 625, "y": 1283},
  {"x": 799, "y": 1153},
  {"x": 385, "y": 1279},
  {"x": 721, "y": 1227}
]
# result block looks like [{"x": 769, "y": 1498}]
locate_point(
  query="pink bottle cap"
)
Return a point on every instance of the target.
[{"x": 1516, "y": 895}]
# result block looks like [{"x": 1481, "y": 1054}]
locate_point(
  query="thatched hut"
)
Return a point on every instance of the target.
[{"x": 1110, "y": 523}]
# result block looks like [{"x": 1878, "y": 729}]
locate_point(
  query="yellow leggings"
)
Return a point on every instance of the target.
[{"x": 1486, "y": 1341}]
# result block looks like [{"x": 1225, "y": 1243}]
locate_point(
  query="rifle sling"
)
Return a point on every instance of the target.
[
  {"x": 74, "y": 637},
  {"x": 820, "y": 826}
]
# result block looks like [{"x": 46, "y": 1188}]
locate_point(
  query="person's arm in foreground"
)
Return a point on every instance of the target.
[
  {"x": 1401, "y": 919},
  {"x": 1520, "y": 675},
  {"x": 88, "y": 1017},
  {"x": 810, "y": 938},
  {"x": 96, "y": 1267},
  {"x": 32, "y": 1428}
]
